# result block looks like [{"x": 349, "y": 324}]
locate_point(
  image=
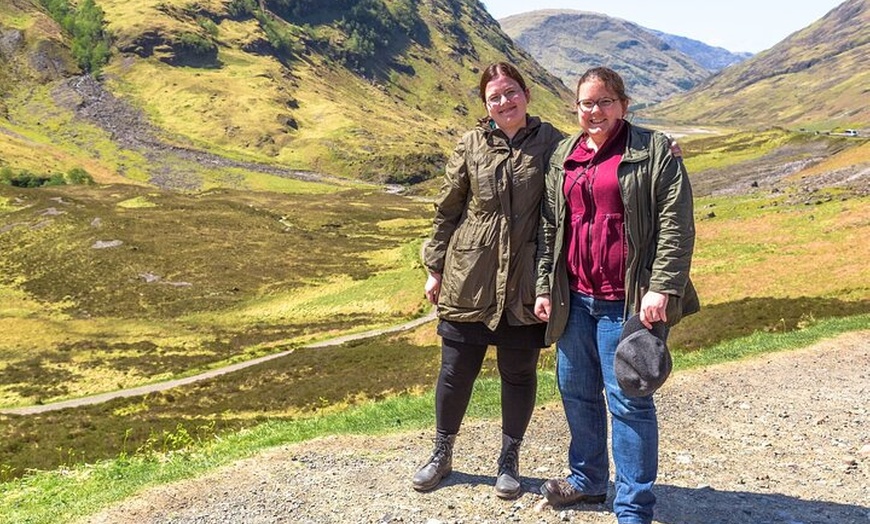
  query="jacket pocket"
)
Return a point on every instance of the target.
[
  {"x": 642, "y": 286},
  {"x": 483, "y": 183},
  {"x": 612, "y": 251},
  {"x": 469, "y": 277}
]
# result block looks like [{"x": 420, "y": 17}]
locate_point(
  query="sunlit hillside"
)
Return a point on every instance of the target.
[
  {"x": 373, "y": 89},
  {"x": 816, "y": 78}
]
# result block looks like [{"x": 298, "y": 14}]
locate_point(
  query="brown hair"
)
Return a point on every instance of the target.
[
  {"x": 496, "y": 69},
  {"x": 608, "y": 77}
]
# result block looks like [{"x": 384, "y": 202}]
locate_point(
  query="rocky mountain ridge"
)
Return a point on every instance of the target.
[
  {"x": 712, "y": 58},
  {"x": 568, "y": 42}
]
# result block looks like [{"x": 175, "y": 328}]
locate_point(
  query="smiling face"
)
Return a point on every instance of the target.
[
  {"x": 597, "y": 121},
  {"x": 506, "y": 103}
]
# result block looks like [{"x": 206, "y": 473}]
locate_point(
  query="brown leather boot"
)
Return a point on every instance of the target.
[
  {"x": 560, "y": 493},
  {"x": 439, "y": 466},
  {"x": 507, "y": 485}
]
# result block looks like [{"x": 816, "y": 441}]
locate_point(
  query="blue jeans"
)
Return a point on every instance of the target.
[{"x": 585, "y": 355}]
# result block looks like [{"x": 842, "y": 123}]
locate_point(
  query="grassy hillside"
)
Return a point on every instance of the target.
[
  {"x": 246, "y": 274},
  {"x": 816, "y": 78},
  {"x": 569, "y": 42},
  {"x": 109, "y": 287},
  {"x": 378, "y": 89}
]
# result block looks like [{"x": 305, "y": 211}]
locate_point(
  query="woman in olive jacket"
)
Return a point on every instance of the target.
[
  {"x": 481, "y": 265},
  {"x": 617, "y": 234}
]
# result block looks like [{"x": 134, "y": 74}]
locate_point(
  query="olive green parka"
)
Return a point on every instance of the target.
[
  {"x": 486, "y": 224},
  {"x": 659, "y": 229}
]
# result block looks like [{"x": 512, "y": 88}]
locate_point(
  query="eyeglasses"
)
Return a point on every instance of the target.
[
  {"x": 495, "y": 100},
  {"x": 587, "y": 105}
]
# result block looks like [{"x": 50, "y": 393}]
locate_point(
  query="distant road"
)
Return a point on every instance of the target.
[{"x": 163, "y": 386}]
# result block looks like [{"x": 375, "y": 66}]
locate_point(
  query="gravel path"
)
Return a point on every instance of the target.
[{"x": 777, "y": 439}]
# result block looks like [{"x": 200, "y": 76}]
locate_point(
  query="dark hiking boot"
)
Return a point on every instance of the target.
[
  {"x": 439, "y": 466},
  {"x": 507, "y": 485},
  {"x": 560, "y": 492}
]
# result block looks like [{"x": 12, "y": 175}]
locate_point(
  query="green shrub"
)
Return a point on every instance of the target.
[
  {"x": 279, "y": 36},
  {"x": 406, "y": 16},
  {"x": 56, "y": 179},
  {"x": 78, "y": 176},
  {"x": 24, "y": 179},
  {"x": 197, "y": 45},
  {"x": 241, "y": 9},
  {"x": 84, "y": 23},
  {"x": 75, "y": 176},
  {"x": 210, "y": 27}
]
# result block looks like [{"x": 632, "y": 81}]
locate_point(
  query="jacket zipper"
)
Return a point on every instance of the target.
[{"x": 590, "y": 178}]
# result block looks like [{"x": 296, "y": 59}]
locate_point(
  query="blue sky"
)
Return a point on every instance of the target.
[{"x": 736, "y": 25}]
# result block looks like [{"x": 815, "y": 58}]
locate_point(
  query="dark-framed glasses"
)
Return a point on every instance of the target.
[{"x": 587, "y": 105}]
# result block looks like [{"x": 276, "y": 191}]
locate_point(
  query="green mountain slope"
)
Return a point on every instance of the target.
[
  {"x": 569, "y": 42},
  {"x": 379, "y": 89},
  {"x": 815, "y": 78}
]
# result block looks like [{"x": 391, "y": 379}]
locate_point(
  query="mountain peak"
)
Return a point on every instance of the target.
[{"x": 568, "y": 42}]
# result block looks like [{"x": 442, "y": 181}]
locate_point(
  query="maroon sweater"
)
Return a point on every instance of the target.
[{"x": 595, "y": 232}]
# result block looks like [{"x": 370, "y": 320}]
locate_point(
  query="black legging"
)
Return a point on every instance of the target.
[{"x": 460, "y": 365}]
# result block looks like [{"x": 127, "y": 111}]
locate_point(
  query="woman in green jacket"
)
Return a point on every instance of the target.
[
  {"x": 617, "y": 240},
  {"x": 481, "y": 265}
]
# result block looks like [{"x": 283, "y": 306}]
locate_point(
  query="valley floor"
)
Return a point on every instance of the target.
[{"x": 780, "y": 438}]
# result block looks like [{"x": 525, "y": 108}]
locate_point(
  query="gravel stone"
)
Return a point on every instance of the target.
[{"x": 780, "y": 438}]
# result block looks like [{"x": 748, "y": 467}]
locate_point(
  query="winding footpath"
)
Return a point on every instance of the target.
[{"x": 169, "y": 384}]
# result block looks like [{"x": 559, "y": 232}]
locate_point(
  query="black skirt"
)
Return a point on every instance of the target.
[{"x": 529, "y": 336}]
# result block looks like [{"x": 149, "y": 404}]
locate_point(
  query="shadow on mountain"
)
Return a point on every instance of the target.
[
  {"x": 718, "y": 323},
  {"x": 372, "y": 37},
  {"x": 198, "y": 60}
]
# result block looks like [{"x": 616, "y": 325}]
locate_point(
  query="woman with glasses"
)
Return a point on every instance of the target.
[
  {"x": 481, "y": 265},
  {"x": 618, "y": 235}
]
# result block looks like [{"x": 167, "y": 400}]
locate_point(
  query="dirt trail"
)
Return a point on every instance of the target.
[
  {"x": 781, "y": 438},
  {"x": 169, "y": 384}
]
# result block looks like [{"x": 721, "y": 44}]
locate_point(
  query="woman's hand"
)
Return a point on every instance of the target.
[
  {"x": 653, "y": 308},
  {"x": 676, "y": 150},
  {"x": 542, "y": 307},
  {"x": 433, "y": 287}
]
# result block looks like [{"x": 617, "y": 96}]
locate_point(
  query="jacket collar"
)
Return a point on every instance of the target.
[
  {"x": 636, "y": 149},
  {"x": 493, "y": 133}
]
